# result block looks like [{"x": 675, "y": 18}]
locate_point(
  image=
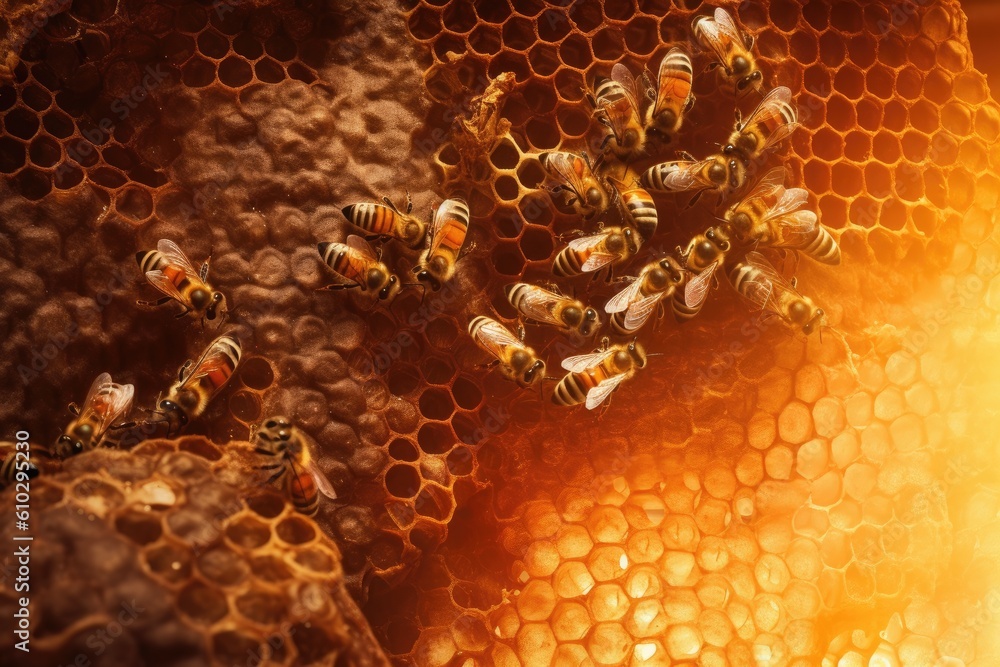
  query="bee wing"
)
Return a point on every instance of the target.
[
  {"x": 640, "y": 311},
  {"x": 672, "y": 89},
  {"x": 175, "y": 256},
  {"x": 450, "y": 209},
  {"x": 624, "y": 77},
  {"x": 100, "y": 381},
  {"x": 568, "y": 168},
  {"x": 214, "y": 358},
  {"x": 621, "y": 301},
  {"x": 727, "y": 26},
  {"x": 777, "y": 112},
  {"x": 322, "y": 483},
  {"x": 581, "y": 363},
  {"x": 789, "y": 201},
  {"x": 794, "y": 230},
  {"x": 494, "y": 337},
  {"x": 697, "y": 286},
  {"x": 540, "y": 304},
  {"x": 361, "y": 246},
  {"x": 772, "y": 184},
  {"x": 681, "y": 175},
  {"x": 597, "y": 261},
  {"x": 108, "y": 400},
  {"x": 619, "y": 113},
  {"x": 768, "y": 274},
  {"x": 160, "y": 281},
  {"x": 600, "y": 393}
]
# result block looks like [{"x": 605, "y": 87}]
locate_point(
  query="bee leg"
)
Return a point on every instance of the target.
[
  {"x": 74, "y": 409},
  {"x": 520, "y": 332},
  {"x": 409, "y": 202},
  {"x": 180, "y": 374},
  {"x": 123, "y": 425},
  {"x": 686, "y": 156},
  {"x": 182, "y": 313},
  {"x": 334, "y": 287},
  {"x": 204, "y": 268},
  {"x": 492, "y": 364},
  {"x": 158, "y": 302}
]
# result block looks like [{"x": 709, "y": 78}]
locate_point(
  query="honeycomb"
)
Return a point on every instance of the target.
[{"x": 751, "y": 499}]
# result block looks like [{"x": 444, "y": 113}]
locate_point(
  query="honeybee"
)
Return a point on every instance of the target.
[
  {"x": 617, "y": 107},
  {"x": 106, "y": 403},
  {"x": 356, "y": 263},
  {"x": 726, "y": 172},
  {"x": 517, "y": 361},
  {"x": 704, "y": 254},
  {"x": 587, "y": 254},
  {"x": 639, "y": 207},
  {"x": 731, "y": 46},
  {"x": 575, "y": 178},
  {"x": 169, "y": 270},
  {"x": 591, "y": 378},
  {"x": 447, "y": 237},
  {"x": 756, "y": 280},
  {"x": 541, "y": 305},
  {"x": 773, "y": 216},
  {"x": 198, "y": 382},
  {"x": 291, "y": 455},
  {"x": 673, "y": 94},
  {"x": 387, "y": 221},
  {"x": 631, "y": 308},
  {"x": 10, "y": 466}
]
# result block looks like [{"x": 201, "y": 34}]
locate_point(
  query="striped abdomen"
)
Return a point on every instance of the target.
[
  {"x": 345, "y": 261},
  {"x": 154, "y": 260},
  {"x": 640, "y": 206},
  {"x": 822, "y": 247},
  {"x": 303, "y": 492},
  {"x": 374, "y": 218},
  {"x": 608, "y": 89},
  {"x": 682, "y": 311},
  {"x": 569, "y": 262},
  {"x": 573, "y": 388}
]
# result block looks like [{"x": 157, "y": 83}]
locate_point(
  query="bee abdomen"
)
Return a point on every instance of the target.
[
  {"x": 374, "y": 218},
  {"x": 643, "y": 212},
  {"x": 567, "y": 264},
  {"x": 149, "y": 260},
  {"x": 682, "y": 311},
  {"x": 569, "y": 392},
  {"x": 618, "y": 324},
  {"x": 823, "y": 247}
]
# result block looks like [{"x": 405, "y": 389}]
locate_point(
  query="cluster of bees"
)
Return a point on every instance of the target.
[{"x": 638, "y": 115}]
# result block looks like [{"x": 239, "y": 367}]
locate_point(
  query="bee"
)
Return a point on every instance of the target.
[
  {"x": 540, "y": 305},
  {"x": 631, "y": 308},
  {"x": 387, "y": 221},
  {"x": 673, "y": 96},
  {"x": 704, "y": 254},
  {"x": 591, "y": 378},
  {"x": 169, "y": 270},
  {"x": 587, "y": 254},
  {"x": 13, "y": 463},
  {"x": 581, "y": 189},
  {"x": 617, "y": 107},
  {"x": 726, "y": 172},
  {"x": 756, "y": 280},
  {"x": 731, "y": 46},
  {"x": 517, "y": 361},
  {"x": 198, "y": 382},
  {"x": 106, "y": 403},
  {"x": 356, "y": 263},
  {"x": 639, "y": 207},
  {"x": 447, "y": 237},
  {"x": 291, "y": 455},
  {"x": 773, "y": 216}
]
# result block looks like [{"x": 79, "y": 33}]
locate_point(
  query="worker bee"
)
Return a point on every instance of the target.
[
  {"x": 169, "y": 270},
  {"x": 387, "y": 221},
  {"x": 106, "y": 403},
  {"x": 517, "y": 361},
  {"x": 639, "y": 208},
  {"x": 198, "y": 383},
  {"x": 756, "y": 280},
  {"x": 545, "y": 307},
  {"x": 587, "y": 254},
  {"x": 704, "y": 254},
  {"x": 726, "y": 172},
  {"x": 291, "y": 455},
  {"x": 673, "y": 96},
  {"x": 581, "y": 189},
  {"x": 356, "y": 263},
  {"x": 731, "y": 46},
  {"x": 591, "y": 378},
  {"x": 447, "y": 237},
  {"x": 773, "y": 216},
  {"x": 617, "y": 106},
  {"x": 14, "y": 463},
  {"x": 631, "y": 308}
]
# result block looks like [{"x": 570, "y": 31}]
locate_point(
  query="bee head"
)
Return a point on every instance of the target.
[
  {"x": 534, "y": 373},
  {"x": 276, "y": 428},
  {"x": 671, "y": 270},
  {"x": 752, "y": 79},
  {"x": 67, "y": 446},
  {"x": 637, "y": 354},
  {"x": 572, "y": 315},
  {"x": 218, "y": 304},
  {"x": 391, "y": 289},
  {"x": 425, "y": 276},
  {"x": 173, "y": 412},
  {"x": 718, "y": 172},
  {"x": 31, "y": 471},
  {"x": 630, "y": 138},
  {"x": 814, "y": 321}
]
